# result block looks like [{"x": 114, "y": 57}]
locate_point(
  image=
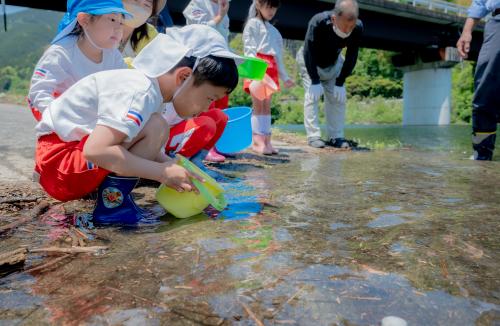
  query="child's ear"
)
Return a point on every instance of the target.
[
  {"x": 182, "y": 74},
  {"x": 83, "y": 19}
]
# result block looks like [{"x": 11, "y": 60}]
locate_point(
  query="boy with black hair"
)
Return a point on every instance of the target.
[{"x": 107, "y": 131}]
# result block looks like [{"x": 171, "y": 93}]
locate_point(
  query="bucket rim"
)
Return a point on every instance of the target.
[{"x": 239, "y": 107}]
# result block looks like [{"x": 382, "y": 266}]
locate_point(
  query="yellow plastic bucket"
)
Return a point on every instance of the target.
[{"x": 186, "y": 204}]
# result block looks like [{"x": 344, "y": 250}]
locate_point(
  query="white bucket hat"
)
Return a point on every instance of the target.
[{"x": 165, "y": 51}]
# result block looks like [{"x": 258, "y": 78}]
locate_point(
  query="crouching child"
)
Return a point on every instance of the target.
[{"x": 107, "y": 130}]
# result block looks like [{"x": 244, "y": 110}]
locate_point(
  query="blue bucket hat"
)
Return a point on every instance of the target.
[{"x": 92, "y": 7}]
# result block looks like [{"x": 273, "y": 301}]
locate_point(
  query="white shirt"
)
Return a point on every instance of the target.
[
  {"x": 203, "y": 12},
  {"x": 120, "y": 99},
  {"x": 262, "y": 37},
  {"x": 62, "y": 65}
]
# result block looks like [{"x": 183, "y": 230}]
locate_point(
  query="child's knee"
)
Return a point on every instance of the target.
[
  {"x": 158, "y": 128},
  {"x": 206, "y": 126},
  {"x": 221, "y": 118}
]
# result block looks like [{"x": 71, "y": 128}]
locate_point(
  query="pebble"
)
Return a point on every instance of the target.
[{"x": 393, "y": 321}]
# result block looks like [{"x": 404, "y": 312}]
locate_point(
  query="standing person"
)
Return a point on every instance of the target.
[
  {"x": 87, "y": 42},
  {"x": 209, "y": 12},
  {"x": 324, "y": 70},
  {"x": 137, "y": 33},
  {"x": 486, "y": 101},
  {"x": 212, "y": 13},
  {"x": 263, "y": 40}
]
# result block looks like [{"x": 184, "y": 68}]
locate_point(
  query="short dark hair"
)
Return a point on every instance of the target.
[{"x": 218, "y": 71}]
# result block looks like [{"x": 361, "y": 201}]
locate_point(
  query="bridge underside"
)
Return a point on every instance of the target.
[{"x": 388, "y": 26}]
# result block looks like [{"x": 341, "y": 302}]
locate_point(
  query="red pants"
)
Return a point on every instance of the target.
[
  {"x": 64, "y": 172},
  {"x": 190, "y": 136}
]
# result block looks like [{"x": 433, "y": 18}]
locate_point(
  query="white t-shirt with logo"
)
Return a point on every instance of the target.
[
  {"x": 121, "y": 99},
  {"x": 61, "y": 66}
]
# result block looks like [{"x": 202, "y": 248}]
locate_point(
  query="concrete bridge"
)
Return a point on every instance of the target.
[{"x": 422, "y": 32}]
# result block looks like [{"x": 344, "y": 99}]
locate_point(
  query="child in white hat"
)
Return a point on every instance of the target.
[
  {"x": 106, "y": 131},
  {"x": 213, "y": 13}
]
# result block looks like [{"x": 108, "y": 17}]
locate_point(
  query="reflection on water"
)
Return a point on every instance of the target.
[
  {"x": 454, "y": 138},
  {"x": 327, "y": 238}
]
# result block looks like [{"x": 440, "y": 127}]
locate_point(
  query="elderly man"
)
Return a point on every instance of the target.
[
  {"x": 324, "y": 70},
  {"x": 486, "y": 101}
]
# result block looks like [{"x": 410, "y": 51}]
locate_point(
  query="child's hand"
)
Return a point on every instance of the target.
[
  {"x": 223, "y": 7},
  {"x": 289, "y": 83},
  {"x": 178, "y": 178}
]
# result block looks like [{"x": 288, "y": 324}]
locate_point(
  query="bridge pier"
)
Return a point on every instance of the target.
[
  {"x": 427, "y": 96},
  {"x": 427, "y": 85}
]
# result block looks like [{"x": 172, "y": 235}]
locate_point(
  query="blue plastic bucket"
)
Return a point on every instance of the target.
[{"x": 238, "y": 133}]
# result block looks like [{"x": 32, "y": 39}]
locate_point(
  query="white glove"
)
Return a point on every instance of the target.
[
  {"x": 339, "y": 94},
  {"x": 314, "y": 92}
]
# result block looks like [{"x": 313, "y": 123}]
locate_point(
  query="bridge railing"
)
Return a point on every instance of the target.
[{"x": 437, "y": 5}]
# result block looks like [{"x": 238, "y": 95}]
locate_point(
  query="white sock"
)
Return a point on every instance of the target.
[{"x": 261, "y": 124}]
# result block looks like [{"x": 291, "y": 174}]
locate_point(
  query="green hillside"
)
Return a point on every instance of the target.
[{"x": 29, "y": 32}]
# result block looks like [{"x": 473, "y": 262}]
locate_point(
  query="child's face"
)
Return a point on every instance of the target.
[
  {"x": 193, "y": 100},
  {"x": 266, "y": 11},
  {"x": 106, "y": 30}
]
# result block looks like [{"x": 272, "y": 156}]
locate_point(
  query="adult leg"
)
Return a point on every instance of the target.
[
  {"x": 334, "y": 109},
  {"x": 311, "y": 107},
  {"x": 486, "y": 102}
]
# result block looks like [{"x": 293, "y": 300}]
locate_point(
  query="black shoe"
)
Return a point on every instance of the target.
[
  {"x": 346, "y": 144},
  {"x": 341, "y": 143},
  {"x": 483, "y": 145},
  {"x": 316, "y": 143}
]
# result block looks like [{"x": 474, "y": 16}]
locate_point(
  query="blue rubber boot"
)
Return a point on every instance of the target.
[
  {"x": 198, "y": 158},
  {"x": 115, "y": 204}
]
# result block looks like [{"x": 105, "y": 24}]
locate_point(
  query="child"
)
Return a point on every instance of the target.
[
  {"x": 87, "y": 42},
  {"x": 106, "y": 131},
  {"x": 262, "y": 40},
  {"x": 212, "y": 13},
  {"x": 209, "y": 12},
  {"x": 191, "y": 138},
  {"x": 137, "y": 33}
]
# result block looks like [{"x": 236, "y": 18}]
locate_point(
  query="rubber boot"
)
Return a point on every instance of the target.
[
  {"x": 483, "y": 144},
  {"x": 198, "y": 158},
  {"x": 115, "y": 204},
  {"x": 214, "y": 156}
]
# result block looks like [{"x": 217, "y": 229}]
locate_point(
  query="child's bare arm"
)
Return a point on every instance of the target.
[{"x": 104, "y": 147}]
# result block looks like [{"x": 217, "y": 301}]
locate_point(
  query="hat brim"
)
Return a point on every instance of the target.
[
  {"x": 111, "y": 10},
  {"x": 238, "y": 59}
]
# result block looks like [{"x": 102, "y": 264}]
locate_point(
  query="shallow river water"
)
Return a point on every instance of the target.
[{"x": 310, "y": 238}]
